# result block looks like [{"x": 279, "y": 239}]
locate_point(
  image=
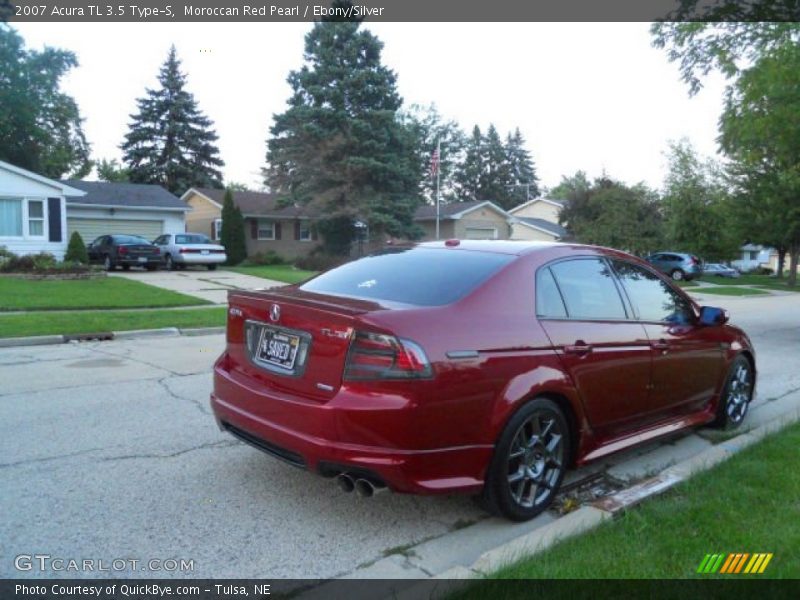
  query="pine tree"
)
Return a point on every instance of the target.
[
  {"x": 232, "y": 234},
  {"x": 522, "y": 171},
  {"x": 170, "y": 142},
  {"x": 496, "y": 184},
  {"x": 340, "y": 145},
  {"x": 76, "y": 250},
  {"x": 470, "y": 174}
]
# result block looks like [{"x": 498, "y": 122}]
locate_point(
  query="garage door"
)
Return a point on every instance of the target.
[{"x": 91, "y": 229}]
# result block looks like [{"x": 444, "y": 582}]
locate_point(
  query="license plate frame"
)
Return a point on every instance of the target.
[
  {"x": 142, "y": 259},
  {"x": 277, "y": 348}
]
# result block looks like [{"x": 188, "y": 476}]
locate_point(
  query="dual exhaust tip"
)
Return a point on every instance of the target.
[{"x": 363, "y": 487}]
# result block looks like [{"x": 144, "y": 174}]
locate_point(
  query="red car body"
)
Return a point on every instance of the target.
[{"x": 619, "y": 382}]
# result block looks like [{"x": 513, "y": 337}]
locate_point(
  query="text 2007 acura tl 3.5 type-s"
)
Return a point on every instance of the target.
[{"x": 485, "y": 368}]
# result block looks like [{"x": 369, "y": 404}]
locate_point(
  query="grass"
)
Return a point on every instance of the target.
[
  {"x": 284, "y": 273},
  {"x": 112, "y": 320},
  {"x": 685, "y": 284},
  {"x": 86, "y": 294},
  {"x": 731, "y": 291},
  {"x": 747, "y": 504},
  {"x": 765, "y": 281}
]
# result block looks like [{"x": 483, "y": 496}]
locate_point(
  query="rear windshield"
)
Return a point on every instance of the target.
[
  {"x": 192, "y": 239},
  {"x": 129, "y": 239},
  {"x": 419, "y": 276}
]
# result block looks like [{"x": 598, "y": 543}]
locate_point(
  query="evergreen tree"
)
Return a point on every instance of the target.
[
  {"x": 40, "y": 126},
  {"x": 496, "y": 183},
  {"x": 521, "y": 169},
  {"x": 232, "y": 234},
  {"x": 470, "y": 174},
  {"x": 170, "y": 142},
  {"x": 340, "y": 145},
  {"x": 111, "y": 170},
  {"x": 76, "y": 250}
]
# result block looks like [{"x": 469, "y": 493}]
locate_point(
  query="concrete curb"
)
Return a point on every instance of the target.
[
  {"x": 37, "y": 340},
  {"x": 146, "y": 333},
  {"x": 194, "y": 331},
  {"x": 43, "y": 340}
]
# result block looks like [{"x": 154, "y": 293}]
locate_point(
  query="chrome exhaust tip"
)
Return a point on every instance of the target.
[
  {"x": 345, "y": 482},
  {"x": 366, "y": 489}
]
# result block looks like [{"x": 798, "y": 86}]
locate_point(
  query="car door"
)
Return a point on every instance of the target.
[
  {"x": 603, "y": 349},
  {"x": 687, "y": 359},
  {"x": 95, "y": 248}
]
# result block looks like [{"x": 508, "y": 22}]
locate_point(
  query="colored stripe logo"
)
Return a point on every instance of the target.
[{"x": 741, "y": 562}]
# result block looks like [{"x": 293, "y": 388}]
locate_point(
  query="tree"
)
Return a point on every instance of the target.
[
  {"x": 76, "y": 250},
  {"x": 469, "y": 177},
  {"x": 340, "y": 145},
  {"x": 570, "y": 187},
  {"x": 41, "y": 127},
  {"x": 497, "y": 184},
  {"x": 112, "y": 170},
  {"x": 232, "y": 235},
  {"x": 697, "y": 208},
  {"x": 169, "y": 141},
  {"x": 522, "y": 171},
  {"x": 429, "y": 128}
]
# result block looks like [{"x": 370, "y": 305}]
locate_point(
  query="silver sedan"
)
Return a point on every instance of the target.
[{"x": 182, "y": 249}]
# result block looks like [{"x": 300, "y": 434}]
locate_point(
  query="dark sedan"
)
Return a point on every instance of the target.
[
  {"x": 125, "y": 251},
  {"x": 476, "y": 367}
]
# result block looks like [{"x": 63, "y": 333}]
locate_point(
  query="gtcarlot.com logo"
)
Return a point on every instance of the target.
[
  {"x": 731, "y": 564},
  {"x": 49, "y": 563}
]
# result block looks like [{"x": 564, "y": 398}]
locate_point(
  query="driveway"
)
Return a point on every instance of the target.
[
  {"x": 208, "y": 285},
  {"x": 109, "y": 451}
]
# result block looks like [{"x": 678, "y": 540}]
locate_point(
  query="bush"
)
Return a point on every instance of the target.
[
  {"x": 763, "y": 271},
  {"x": 318, "y": 261},
  {"x": 262, "y": 259},
  {"x": 76, "y": 250},
  {"x": 43, "y": 262}
]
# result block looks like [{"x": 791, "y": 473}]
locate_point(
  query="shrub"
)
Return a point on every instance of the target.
[
  {"x": 43, "y": 261},
  {"x": 76, "y": 250},
  {"x": 763, "y": 271},
  {"x": 261, "y": 259},
  {"x": 319, "y": 261}
]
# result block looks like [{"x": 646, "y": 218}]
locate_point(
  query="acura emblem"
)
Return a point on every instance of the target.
[{"x": 274, "y": 313}]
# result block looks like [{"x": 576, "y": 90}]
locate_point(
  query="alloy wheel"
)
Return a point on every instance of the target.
[
  {"x": 739, "y": 391},
  {"x": 536, "y": 460}
]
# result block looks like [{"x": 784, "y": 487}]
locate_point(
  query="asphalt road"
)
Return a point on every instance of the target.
[{"x": 109, "y": 451}]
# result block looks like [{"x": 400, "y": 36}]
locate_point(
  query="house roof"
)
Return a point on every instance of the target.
[
  {"x": 454, "y": 210},
  {"x": 543, "y": 225},
  {"x": 65, "y": 189},
  {"x": 108, "y": 194},
  {"x": 255, "y": 204},
  {"x": 556, "y": 203}
]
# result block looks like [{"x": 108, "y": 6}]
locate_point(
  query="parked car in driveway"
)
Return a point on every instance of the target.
[
  {"x": 125, "y": 251},
  {"x": 679, "y": 266},
  {"x": 478, "y": 367},
  {"x": 183, "y": 249},
  {"x": 720, "y": 270}
]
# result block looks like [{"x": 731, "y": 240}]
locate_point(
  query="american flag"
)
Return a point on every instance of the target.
[{"x": 435, "y": 161}]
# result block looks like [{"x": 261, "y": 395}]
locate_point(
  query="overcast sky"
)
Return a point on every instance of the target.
[{"x": 587, "y": 96}]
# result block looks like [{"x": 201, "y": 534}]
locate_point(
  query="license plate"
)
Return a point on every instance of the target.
[
  {"x": 142, "y": 259},
  {"x": 203, "y": 251},
  {"x": 278, "y": 348}
]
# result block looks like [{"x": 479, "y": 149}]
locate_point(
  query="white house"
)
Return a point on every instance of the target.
[
  {"x": 537, "y": 220},
  {"x": 752, "y": 257},
  {"x": 33, "y": 215}
]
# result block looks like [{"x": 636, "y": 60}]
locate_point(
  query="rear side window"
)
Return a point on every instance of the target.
[
  {"x": 129, "y": 239},
  {"x": 588, "y": 288},
  {"x": 417, "y": 276},
  {"x": 651, "y": 296},
  {"x": 548, "y": 299},
  {"x": 192, "y": 239}
]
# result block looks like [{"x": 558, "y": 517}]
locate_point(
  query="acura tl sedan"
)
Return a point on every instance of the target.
[
  {"x": 484, "y": 368},
  {"x": 183, "y": 249}
]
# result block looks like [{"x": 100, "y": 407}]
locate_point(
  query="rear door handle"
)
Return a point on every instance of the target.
[
  {"x": 662, "y": 345},
  {"x": 579, "y": 348}
]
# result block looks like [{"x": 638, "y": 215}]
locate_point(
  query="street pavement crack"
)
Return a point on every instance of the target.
[
  {"x": 201, "y": 406},
  {"x": 31, "y": 461},
  {"x": 219, "y": 444}
]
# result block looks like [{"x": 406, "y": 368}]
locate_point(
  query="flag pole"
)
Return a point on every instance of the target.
[{"x": 438, "y": 169}]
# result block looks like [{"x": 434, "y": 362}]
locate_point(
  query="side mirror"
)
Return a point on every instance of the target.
[{"x": 711, "y": 315}]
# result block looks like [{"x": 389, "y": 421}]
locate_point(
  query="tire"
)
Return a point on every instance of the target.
[
  {"x": 529, "y": 461},
  {"x": 168, "y": 264},
  {"x": 678, "y": 275},
  {"x": 126, "y": 267},
  {"x": 151, "y": 267},
  {"x": 108, "y": 264},
  {"x": 212, "y": 267},
  {"x": 736, "y": 394},
  {"x": 181, "y": 267}
]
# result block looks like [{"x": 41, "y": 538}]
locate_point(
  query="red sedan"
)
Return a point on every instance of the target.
[{"x": 475, "y": 367}]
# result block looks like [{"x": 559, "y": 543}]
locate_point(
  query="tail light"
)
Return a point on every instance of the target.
[
  {"x": 694, "y": 260},
  {"x": 156, "y": 250},
  {"x": 122, "y": 250},
  {"x": 188, "y": 250},
  {"x": 379, "y": 356}
]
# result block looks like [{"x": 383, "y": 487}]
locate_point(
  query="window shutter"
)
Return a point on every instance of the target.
[
  {"x": 277, "y": 230},
  {"x": 54, "y": 219},
  {"x": 314, "y": 232},
  {"x": 213, "y": 230},
  {"x": 297, "y": 229},
  {"x": 254, "y": 228}
]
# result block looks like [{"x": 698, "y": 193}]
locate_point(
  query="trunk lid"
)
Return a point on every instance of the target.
[{"x": 293, "y": 341}]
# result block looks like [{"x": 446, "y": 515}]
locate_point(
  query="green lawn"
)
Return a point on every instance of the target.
[
  {"x": 86, "y": 294},
  {"x": 731, "y": 291},
  {"x": 765, "y": 281},
  {"x": 111, "y": 320},
  {"x": 747, "y": 504},
  {"x": 285, "y": 273}
]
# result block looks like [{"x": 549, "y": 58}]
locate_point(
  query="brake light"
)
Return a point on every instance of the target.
[
  {"x": 156, "y": 250},
  {"x": 379, "y": 356},
  {"x": 123, "y": 250},
  {"x": 188, "y": 250},
  {"x": 694, "y": 260}
]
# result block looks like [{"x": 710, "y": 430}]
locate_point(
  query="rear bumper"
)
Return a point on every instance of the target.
[
  {"x": 134, "y": 261},
  {"x": 314, "y": 436},
  {"x": 199, "y": 259}
]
